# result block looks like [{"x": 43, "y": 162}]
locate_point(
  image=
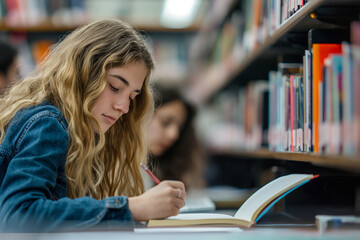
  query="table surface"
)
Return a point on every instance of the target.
[
  {"x": 274, "y": 225},
  {"x": 254, "y": 233}
]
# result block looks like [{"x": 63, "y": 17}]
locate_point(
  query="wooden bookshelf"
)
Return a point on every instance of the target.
[
  {"x": 43, "y": 27},
  {"x": 48, "y": 26},
  {"x": 170, "y": 42},
  {"x": 203, "y": 87},
  {"x": 228, "y": 74},
  {"x": 349, "y": 163}
]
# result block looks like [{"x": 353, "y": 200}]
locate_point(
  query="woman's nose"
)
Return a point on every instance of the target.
[
  {"x": 123, "y": 104},
  {"x": 173, "y": 133}
]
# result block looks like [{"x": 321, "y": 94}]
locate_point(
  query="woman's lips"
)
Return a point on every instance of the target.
[
  {"x": 164, "y": 147},
  {"x": 110, "y": 119}
]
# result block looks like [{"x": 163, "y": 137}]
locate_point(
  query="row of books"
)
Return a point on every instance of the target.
[
  {"x": 286, "y": 108},
  {"x": 313, "y": 106},
  {"x": 262, "y": 18},
  {"x": 25, "y": 13},
  {"x": 62, "y": 13},
  {"x": 238, "y": 118},
  {"x": 250, "y": 25},
  {"x": 169, "y": 53},
  {"x": 288, "y": 8},
  {"x": 339, "y": 102}
]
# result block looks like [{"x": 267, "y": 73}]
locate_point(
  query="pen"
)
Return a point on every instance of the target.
[{"x": 147, "y": 170}]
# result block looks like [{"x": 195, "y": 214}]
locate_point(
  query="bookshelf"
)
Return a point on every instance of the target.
[
  {"x": 350, "y": 164},
  {"x": 26, "y": 23},
  {"x": 47, "y": 26},
  {"x": 285, "y": 43},
  {"x": 223, "y": 73}
]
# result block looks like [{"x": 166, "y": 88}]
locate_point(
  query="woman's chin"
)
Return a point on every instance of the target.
[{"x": 157, "y": 152}]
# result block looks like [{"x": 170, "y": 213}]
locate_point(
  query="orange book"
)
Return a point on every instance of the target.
[{"x": 320, "y": 51}]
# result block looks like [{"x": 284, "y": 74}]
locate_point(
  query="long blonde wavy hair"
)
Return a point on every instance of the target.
[{"x": 72, "y": 77}]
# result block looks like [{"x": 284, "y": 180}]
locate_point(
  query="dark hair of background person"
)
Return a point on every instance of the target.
[
  {"x": 184, "y": 160},
  {"x": 8, "y": 68},
  {"x": 8, "y": 54}
]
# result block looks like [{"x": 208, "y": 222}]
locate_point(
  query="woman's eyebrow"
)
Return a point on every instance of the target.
[{"x": 124, "y": 81}]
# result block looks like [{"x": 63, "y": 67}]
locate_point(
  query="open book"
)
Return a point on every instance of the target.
[{"x": 249, "y": 213}]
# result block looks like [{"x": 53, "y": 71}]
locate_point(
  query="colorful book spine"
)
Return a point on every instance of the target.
[
  {"x": 348, "y": 100},
  {"x": 308, "y": 101},
  {"x": 327, "y": 120},
  {"x": 292, "y": 114},
  {"x": 300, "y": 112},
  {"x": 356, "y": 91},
  {"x": 320, "y": 51},
  {"x": 337, "y": 104}
]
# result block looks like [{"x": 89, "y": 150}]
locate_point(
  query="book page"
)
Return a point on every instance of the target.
[
  {"x": 187, "y": 229},
  {"x": 191, "y": 216},
  {"x": 198, "y": 219},
  {"x": 261, "y": 198}
]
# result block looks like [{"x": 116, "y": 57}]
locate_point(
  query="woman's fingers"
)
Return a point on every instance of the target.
[
  {"x": 174, "y": 184},
  {"x": 179, "y": 203},
  {"x": 179, "y": 193},
  {"x": 164, "y": 200}
]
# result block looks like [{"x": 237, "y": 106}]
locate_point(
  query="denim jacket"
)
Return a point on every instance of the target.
[{"x": 33, "y": 184}]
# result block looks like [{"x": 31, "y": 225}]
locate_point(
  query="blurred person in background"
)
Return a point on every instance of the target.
[
  {"x": 9, "y": 61},
  {"x": 175, "y": 152}
]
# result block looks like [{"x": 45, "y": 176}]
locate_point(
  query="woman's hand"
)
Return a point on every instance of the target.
[{"x": 162, "y": 201}]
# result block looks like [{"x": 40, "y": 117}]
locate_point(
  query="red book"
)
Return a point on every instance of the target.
[{"x": 320, "y": 51}]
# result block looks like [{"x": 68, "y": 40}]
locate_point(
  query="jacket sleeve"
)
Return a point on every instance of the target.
[{"x": 26, "y": 201}]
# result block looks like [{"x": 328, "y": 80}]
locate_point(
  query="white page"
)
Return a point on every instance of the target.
[
  {"x": 247, "y": 210},
  {"x": 187, "y": 216},
  {"x": 187, "y": 229}
]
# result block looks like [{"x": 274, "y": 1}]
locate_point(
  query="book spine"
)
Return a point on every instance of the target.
[
  {"x": 300, "y": 133},
  {"x": 308, "y": 102},
  {"x": 347, "y": 93},
  {"x": 325, "y": 136},
  {"x": 319, "y": 52},
  {"x": 356, "y": 90},
  {"x": 337, "y": 103},
  {"x": 292, "y": 114},
  {"x": 315, "y": 93}
]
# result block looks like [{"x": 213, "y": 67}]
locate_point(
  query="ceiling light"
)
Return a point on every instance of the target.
[{"x": 179, "y": 13}]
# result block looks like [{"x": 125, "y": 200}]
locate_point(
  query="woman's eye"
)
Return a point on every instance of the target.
[
  {"x": 113, "y": 88},
  {"x": 165, "y": 123}
]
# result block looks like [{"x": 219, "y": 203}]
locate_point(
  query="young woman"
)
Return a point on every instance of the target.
[
  {"x": 8, "y": 65},
  {"x": 174, "y": 149},
  {"x": 73, "y": 135}
]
